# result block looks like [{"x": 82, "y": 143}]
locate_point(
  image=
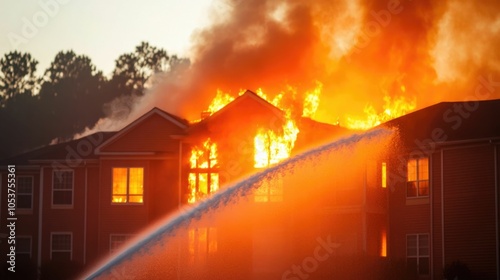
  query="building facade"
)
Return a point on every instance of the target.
[{"x": 430, "y": 201}]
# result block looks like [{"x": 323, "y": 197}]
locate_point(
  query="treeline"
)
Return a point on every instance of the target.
[{"x": 70, "y": 95}]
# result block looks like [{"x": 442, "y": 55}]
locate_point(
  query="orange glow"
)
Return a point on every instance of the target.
[
  {"x": 383, "y": 244},
  {"x": 203, "y": 179},
  {"x": 128, "y": 185},
  {"x": 393, "y": 108},
  {"x": 384, "y": 175}
]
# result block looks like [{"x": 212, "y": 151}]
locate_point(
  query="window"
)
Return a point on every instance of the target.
[
  {"x": 417, "y": 253},
  {"x": 128, "y": 185},
  {"x": 23, "y": 248},
  {"x": 61, "y": 246},
  {"x": 383, "y": 243},
  {"x": 24, "y": 192},
  {"x": 270, "y": 191},
  {"x": 384, "y": 175},
  {"x": 204, "y": 173},
  {"x": 418, "y": 177},
  {"x": 62, "y": 188},
  {"x": 202, "y": 242},
  {"x": 116, "y": 241}
]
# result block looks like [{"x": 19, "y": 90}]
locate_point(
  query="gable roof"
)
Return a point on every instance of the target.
[
  {"x": 177, "y": 121},
  {"x": 247, "y": 96},
  {"x": 448, "y": 122},
  {"x": 61, "y": 150}
]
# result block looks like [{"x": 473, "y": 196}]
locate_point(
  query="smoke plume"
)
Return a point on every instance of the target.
[{"x": 360, "y": 50}]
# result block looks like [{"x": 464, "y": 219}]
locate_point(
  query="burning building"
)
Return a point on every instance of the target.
[{"x": 84, "y": 199}]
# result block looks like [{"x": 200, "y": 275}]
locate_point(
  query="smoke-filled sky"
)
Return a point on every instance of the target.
[
  {"x": 360, "y": 50},
  {"x": 363, "y": 50}
]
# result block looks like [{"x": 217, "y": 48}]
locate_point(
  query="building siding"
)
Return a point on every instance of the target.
[{"x": 469, "y": 209}]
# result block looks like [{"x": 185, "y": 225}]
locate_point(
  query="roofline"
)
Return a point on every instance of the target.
[
  {"x": 238, "y": 99},
  {"x": 390, "y": 122},
  {"x": 136, "y": 122}
]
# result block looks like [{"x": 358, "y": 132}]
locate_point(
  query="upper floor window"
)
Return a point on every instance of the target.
[
  {"x": 417, "y": 253},
  {"x": 25, "y": 192},
  {"x": 62, "y": 188},
  {"x": 418, "y": 177},
  {"x": 61, "y": 246},
  {"x": 128, "y": 185}
]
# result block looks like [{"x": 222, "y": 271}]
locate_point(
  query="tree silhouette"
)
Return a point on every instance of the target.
[
  {"x": 132, "y": 70},
  {"x": 71, "y": 95},
  {"x": 17, "y": 75}
]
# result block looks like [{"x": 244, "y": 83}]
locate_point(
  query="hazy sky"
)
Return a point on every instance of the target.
[{"x": 103, "y": 30}]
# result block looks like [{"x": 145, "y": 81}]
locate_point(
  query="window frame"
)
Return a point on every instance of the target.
[
  {"x": 61, "y": 251},
  {"x": 268, "y": 185},
  {"x": 417, "y": 178},
  {"x": 62, "y": 206},
  {"x": 30, "y": 253},
  {"x": 128, "y": 186},
  {"x": 211, "y": 171},
  {"x": 18, "y": 194},
  {"x": 127, "y": 236},
  {"x": 418, "y": 255},
  {"x": 199, "y": 250}
]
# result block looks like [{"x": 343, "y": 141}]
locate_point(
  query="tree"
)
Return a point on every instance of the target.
[
  {"x": 132, "y": 70},
  {"x": 71, "y": 95},
  {"x": 17, "y": 75}
]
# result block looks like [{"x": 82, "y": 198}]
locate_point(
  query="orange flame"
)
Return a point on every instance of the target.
[
  {"x": 311, "y": 101},
  {"x": 219, "y": 102},
  {"x": 393, "y": 108}
]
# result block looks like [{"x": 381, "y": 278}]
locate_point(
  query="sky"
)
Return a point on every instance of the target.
[{"x": 102, "y": 30}]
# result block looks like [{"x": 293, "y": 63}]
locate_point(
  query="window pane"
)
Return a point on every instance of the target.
[
  {"x": 423, "y": 245},
  {"x": 62, "y": 197},
  {"x": 423, "y": 169},
  {"x": 423, "y": 266},
  {"x": 411, "y": 189},
  {"x": 276, "y": 191},
  {"x": 411, "y": 245},
  {"x": 203, "y": 183},
  {"x": 212, "y": 240},
  {"x": 412, "y": 170},
  {"x": 24, "y": 185},
  {"x": 61, "y": 242},
  {"x": 63, "y": 180},
  {"x": 119, "y": 181},
  {"x": 135, "y": 199},
  {"x": 23, "y": 245},
  {"x": 262, "y": 193},
  {"x": 384, "y": 175},
  {"x": 135, "y": 181},
  {"x": 119, "y": 198},
  {"x": 423, "y": 188},
  {"x": 24, "y": 201},
  {"x": 214, "y": 182},
  {"x": 412, "y": 265}
]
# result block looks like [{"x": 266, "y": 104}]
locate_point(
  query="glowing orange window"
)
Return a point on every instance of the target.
[
  {"x": 418, "y": 177},
  {"x": 128, "y": 185}
]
